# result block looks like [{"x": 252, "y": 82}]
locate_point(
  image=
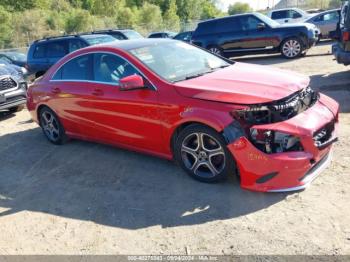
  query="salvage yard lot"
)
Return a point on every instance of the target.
[{"x": 85, "y": 198}]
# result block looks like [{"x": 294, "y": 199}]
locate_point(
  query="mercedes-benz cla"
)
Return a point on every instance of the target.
[{"x": 176, "y": 101}]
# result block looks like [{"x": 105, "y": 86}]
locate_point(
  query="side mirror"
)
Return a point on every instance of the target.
[
  {"x": 131, "y": 83},
  {"x": 261, "y": 26}
]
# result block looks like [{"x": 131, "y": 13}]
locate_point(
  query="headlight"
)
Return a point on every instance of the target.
[{"x": 270, "y": 141}]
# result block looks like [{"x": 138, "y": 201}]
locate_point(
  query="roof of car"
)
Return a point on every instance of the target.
[
  {"x": 113, "y": 30},
  {"x": 68, "y": 37},
  {"x": 226, "y": 17},
  {"x": 137, "y": 43}
]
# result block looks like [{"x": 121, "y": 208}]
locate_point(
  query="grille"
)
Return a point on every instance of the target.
[
  {"x": 323, "y": 135},
  {"x": 7, "y": 83}
]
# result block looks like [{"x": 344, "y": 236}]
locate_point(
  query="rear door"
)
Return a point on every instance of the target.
[
  {"x": 327, "y": 22},
  {"x": 55, "y": 50}
]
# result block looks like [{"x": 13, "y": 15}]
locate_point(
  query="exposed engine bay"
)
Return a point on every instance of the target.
[{"x": 269, "y": 141}]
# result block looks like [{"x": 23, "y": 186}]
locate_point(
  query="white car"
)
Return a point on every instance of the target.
[{"x": 288, "y": 15}]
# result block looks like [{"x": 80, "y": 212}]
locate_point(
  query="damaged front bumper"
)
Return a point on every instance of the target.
[{"x": 295, "y": 170}]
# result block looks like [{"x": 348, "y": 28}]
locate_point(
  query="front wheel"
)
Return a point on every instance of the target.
[
  {"x": 291, "y": 48},
  {"x": 52, "y": 127},
  {"x": 203, "y": 154}
]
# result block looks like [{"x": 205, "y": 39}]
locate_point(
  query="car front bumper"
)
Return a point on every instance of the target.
[
  {"x": 289, "y": 171},
  {"x": 340, "y": 55},
  {"x": 13, "y": 98}
]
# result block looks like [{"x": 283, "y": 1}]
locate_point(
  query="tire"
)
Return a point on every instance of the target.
[
  {"x": 16, "y": 109},
  {"x": 291, "y": 48},
  {"x": 52, "y": 127},
  {"x": 210, "y": 163},
  {"x": 215, "y": 50}
]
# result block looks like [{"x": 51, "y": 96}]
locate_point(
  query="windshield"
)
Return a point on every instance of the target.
[
  {"x": 98, "y": 39},
  {"x": 17, "y": 57},
  {"x": 132, "y": 34},
  {"x": 176, "y": 61},
  {"x": 267, "y": 20}
]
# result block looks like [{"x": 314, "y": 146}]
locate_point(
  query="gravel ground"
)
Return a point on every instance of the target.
[{"x": 85, "y": 198}]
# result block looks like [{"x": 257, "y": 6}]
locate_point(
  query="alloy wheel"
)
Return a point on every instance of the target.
[
  {"x": 215, "y": 50},
  {"x": 291, "y": 48},
  {"x": 203, "y": 155},
  {"x": 50, "y": 126}
]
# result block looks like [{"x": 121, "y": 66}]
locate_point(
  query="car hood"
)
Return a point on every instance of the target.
[{"x": 243, "y": 84}]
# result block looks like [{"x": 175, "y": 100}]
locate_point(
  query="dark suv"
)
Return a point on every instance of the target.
[
  {"x": 120, "y": 34},
  {"x": 46, "y": 52},
  {"x": 254, "y": 33},
  {"x": 341, "y": 49}
]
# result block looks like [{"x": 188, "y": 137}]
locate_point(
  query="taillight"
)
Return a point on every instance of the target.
[{"x": 346, "y": 36}]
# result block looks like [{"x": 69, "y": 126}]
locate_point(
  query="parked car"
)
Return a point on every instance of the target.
[
  {"x": 326, "y": 21},
  {"x": 341, "y": 49},
  {"x": 120, "y": 34},
  {"x": 13, "y": 89},
  {"x": 16, "y": 58},
  {"x": 46, "y": 52},
  {"x": 166, "y": 34},
  {"x": 288, "y": 15},
  {"x": 184, "y": 36},
  {"x": 19, "y": 69},
  {"x": 254, "y": 34},
  {"x": 174, "y": 100}
]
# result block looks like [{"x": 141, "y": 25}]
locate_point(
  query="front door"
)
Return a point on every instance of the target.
[{"x": 128, "y": 117}]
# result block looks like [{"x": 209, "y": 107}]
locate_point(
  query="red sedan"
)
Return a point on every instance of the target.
[{"x": 173, "y": 100}]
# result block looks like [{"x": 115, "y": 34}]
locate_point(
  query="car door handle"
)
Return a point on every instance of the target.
[
  {"x": 56, "y": 90},
  {"x": 97, "y": 92}
]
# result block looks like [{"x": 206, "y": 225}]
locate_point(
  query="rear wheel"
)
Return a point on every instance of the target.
[
  {"x": 16, "y": 109},
  {"x": 291, "y": 48},
  {"x": 216, "y": 50},
  {"x": 203, "y": 154},
  {"x": 52, "y": 127}
]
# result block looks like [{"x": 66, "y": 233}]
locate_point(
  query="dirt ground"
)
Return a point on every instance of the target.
[{"x": 85, "y": 198}]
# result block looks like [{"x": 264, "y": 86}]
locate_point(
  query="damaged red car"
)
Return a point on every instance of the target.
[{"x": 213, "y": 116}]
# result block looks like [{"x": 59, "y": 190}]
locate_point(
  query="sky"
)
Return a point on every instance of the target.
[{"x": 256, "y": 4}]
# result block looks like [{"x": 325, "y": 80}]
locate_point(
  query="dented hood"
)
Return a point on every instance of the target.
[{"x": 243, "y": 84}]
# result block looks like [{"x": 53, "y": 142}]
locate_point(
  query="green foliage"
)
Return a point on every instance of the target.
[
  {"x": 239, "y": 8},
  {"x": 23, "y": 21},
  {"x": 334, "y": 4}
]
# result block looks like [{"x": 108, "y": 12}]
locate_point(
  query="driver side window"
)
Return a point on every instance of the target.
[{"x": 109, "y": 68}]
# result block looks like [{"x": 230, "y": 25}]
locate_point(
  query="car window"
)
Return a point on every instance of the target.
[
  {"x": 75, "y": 44},
  {"x": 279, "y": 14},
  {"x": 110, "y": 68},
  {"x": 294, "y": 14},
  {"x": 249, "y": 23},
  {"x": 331, "y": 16},
  {"x": 78, "y": 68},
  {"x": 231, "y": 24},
  {"x": 207, "y": 28},
  {"x": 118, "y": 36},
  {"x": 56, "y": 49},
  {"x": 39, "y": 51}
]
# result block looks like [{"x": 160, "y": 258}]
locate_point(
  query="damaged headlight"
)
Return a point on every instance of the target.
[
  {"x": 270, "y": 141},
  {"x": 278, "y": 111}
]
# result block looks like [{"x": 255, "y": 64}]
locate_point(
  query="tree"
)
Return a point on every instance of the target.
[
  {"x": 150, "y": 17},
  {"x": 171, "y": 19},
  {"x": 209, "y": 10},
  {"x": 5, "y": 28},
  {"x": 334, "y": 4},
  {"x": 78, "y": 20},
  {"x": 239, "y": 8}
]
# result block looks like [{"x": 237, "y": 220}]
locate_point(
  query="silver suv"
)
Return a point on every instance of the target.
[{"x": 13, "y": 89}]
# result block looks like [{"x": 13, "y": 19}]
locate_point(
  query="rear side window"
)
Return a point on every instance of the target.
[
  {"x": 39, "y": 51},
  {"x": 279, "y": 14},
  {"x": 118, "y": 36},
  {"x": 79, "y": 68},
  {"x": 206, "y": 28},
  {"x": 75, "y": 44},
  {"x": 56, "y": 49},
  {"x": 231, "y": 24}
]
